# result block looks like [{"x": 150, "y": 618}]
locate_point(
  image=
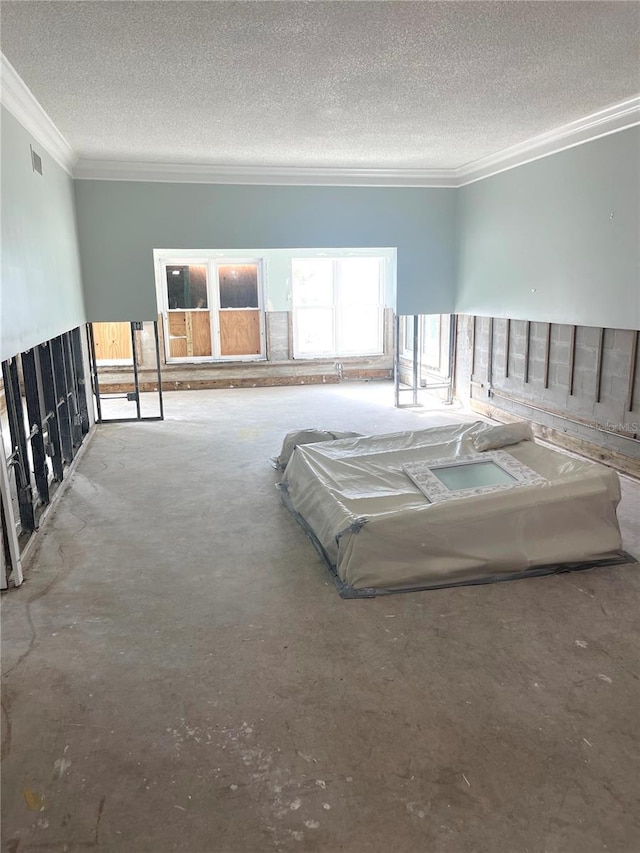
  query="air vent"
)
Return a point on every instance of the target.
[{"x": 36, "y": 161}]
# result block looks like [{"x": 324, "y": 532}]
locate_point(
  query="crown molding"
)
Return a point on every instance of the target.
[
  {"x": 114, "y": 170},
  {"x": 612, "y": 119},
  {"x": 20, "y": 101}
]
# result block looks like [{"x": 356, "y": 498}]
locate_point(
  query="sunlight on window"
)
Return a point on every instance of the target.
[{"x": 337, "y": 306}]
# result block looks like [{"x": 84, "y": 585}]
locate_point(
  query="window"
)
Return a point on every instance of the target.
[
  {"x": 212, "y": 309},
  {"x": 337, "y": 307},
  {"x": 187, "y": 286}
]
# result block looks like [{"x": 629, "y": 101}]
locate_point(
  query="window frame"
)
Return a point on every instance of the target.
[
  {"x": 212, "y": 264},
  {"x": 337, "y": 320}
]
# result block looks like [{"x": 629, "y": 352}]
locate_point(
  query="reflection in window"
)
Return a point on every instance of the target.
[
  {"x": 187, "y": 286},
  {"x": 238, "y": 285}
]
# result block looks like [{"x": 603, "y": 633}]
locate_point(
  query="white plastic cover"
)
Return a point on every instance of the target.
[
  {"x": 380, "y": 531},
  {"x": 306, "y": 436}
]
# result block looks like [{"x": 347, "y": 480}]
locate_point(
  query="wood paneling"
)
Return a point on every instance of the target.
[
  {"x": 177, "y": 334},
  {"x": 189, "y": 334},
  {"x": 201, "y": 332},
  {"x": 112, "y": 341},
  {"x": 240, "y": 332}
]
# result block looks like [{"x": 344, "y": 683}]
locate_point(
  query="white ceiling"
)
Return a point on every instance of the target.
[{"x": 391, "y": 85}]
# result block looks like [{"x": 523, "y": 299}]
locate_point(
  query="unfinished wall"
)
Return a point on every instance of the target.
[
  {"x": 578, "y": 381},
  {"x": 279, "y": 367},
  {"x": 41, "y": 291},
  {"x": 556, "y": 239},
  {"x": 122, "y": 222}
]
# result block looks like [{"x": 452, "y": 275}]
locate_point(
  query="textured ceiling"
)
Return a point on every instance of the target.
[{"x": 369, "y": 84}]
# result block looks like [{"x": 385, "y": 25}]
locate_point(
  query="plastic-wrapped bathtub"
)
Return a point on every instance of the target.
[{"x": 379, "y": 532}]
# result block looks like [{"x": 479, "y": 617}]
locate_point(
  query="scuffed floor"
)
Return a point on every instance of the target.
[{"x": 180, "y": 674}]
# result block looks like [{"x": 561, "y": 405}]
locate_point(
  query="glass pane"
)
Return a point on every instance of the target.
[
  {"x": 314, "y": 331},
  {"x": 431, "y": 339},
  {"x": 359, "y": 281},
  {"x": 473, "y": 476},
  {"x": 408, "y": 333},
  {"x": 187, "y": 286},
  {"x": 312, "y": 280},
  {"x": 238, "y": 285},
  {"x": 360, "y": 330}
]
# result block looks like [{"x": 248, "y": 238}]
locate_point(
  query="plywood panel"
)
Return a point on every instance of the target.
[
  {"x": 239, "y": 332},
  {"x": 177, "y": 334},
  {"x": 112, "y": 341},
  {"x": 189, "y": 334},
  {"x": 201, "y": 332}
]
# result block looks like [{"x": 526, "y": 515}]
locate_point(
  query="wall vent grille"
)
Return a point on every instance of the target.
[{"x": 36, "y": 161}]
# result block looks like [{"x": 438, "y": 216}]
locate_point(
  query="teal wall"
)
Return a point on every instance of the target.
[
  {"x": 556, "y": 240},
  {"x": 40, "y": 290},
  {"x": 121, "y": 223}
]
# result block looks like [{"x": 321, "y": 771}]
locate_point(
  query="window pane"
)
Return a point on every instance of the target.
[
  {"x": 359, "y": 281},
  {"x": 238, "y": 285},
  {"x": 431, "y": 340},
  {"x": 360, "y": 330},
  {"x": 312, "y": 280},
  {"x": 408, "y": 334},
  {"x": 314, "y": 331},
  {"x": 187, "y": 286}
]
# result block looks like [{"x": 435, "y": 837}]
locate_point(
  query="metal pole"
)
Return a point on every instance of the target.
[
  {"x": 155, "y": 330},
  {"x": 416, "y": 356},
  {"x": 453, "y": 335},
  {"x": 547, "y": 354},
  {"x": 507, "y": 347},
  {"x": 94, "y": 370},
  {"x": 572, "y": 359},
  {"x": 527, "y": 347},
  {"x": 134, "y": 355},
  {"x": 633, "y": 361},
  {"x": 396, "y": 361},
  {"x": 599, "y": 366},
  {"x": 490, "y": 359}
]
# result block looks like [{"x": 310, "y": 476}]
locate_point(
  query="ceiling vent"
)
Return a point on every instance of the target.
[{"x": 36, "y": 161}]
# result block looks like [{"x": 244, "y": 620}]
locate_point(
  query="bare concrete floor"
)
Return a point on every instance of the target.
[{"x": 180, "y": 674}]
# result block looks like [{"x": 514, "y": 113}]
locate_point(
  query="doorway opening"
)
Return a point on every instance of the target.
[
  {"x": 118, "y": 352},
  {"x": 424, "y": 357}
]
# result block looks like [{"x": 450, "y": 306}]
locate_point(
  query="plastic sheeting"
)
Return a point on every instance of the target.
[
  {"x": 379, "y": 532},
  {"x": 306, "y": 436}
]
